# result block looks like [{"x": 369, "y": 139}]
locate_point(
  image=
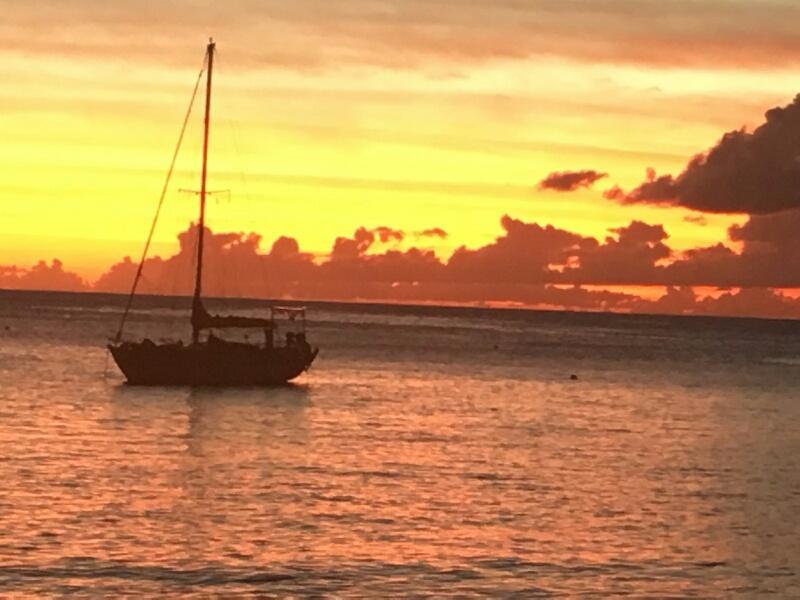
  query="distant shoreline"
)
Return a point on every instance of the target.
[{"x": 414, "y": 308}]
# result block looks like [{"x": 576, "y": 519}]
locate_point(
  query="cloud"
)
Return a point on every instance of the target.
[
  {"x": 436, "y": 232},
  {"x": 363, "y": 239},
  {"x": 387, "y": 234},
  {"x": 745, "y": 172},
  {"x": 350, "y": 267},
  {"x": 696, "y": 220},
  {"x": 42, "y": 276},
  {"x": 527, "y": 264},
  {"x": 676, "y": 300},
  {"x": 234, "y": 265},
  {"x": 524, "y": 253},
  {"x": 414, "y": 33},
  {"x": 515, "y": 294},
  {"x": 769, "y": 257},
  {"x": 569, "y": 181},
  {"x": 352, "y": 248},
  {"x": 628, "y": 259},
  {"x": 748, "y": 302}
]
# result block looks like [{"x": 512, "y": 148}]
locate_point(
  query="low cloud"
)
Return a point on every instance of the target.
[
  {"x": 629, "y": 257},
  {"x": 747, "y": 302},
  {"x": 569, "y": 181},
  {"x": 527, "y": 264},
  {"x": 524, "y": 253},
  {"x": 769, "y": 257},
  {"x": 42, "y": 276}
]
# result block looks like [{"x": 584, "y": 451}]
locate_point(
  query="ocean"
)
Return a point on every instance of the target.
[{"x": 430, "y": 451}]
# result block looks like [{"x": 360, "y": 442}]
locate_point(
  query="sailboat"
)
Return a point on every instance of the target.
[{"x": 209, "y": 359}]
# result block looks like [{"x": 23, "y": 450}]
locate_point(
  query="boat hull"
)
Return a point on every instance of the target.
[{"x": 210, "y": 363}]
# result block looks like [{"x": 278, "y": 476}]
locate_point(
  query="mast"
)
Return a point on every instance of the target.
[{"x": 198, "y": 286}]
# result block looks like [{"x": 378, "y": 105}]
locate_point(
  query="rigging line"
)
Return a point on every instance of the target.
[
  {"x": 160, "y": 204},
  {"x": 249, "y": 198},
  {"x": 240, "y": 171}
]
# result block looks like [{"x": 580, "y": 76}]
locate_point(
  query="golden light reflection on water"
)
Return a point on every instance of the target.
[{"x": 478, "y": 473}]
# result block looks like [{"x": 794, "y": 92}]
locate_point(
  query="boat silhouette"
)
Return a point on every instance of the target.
[{"x": 209, "y": 359}]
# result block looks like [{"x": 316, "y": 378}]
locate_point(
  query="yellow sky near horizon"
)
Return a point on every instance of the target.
[{"x": 413, "y": 139}]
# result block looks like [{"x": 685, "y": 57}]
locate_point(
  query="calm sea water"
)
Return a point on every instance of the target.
[{"x": 430, "y": 451}]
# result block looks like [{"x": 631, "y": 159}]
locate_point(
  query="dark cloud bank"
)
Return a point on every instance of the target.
[
  {"x": 528, "y": 264},
  {"x": 754, "y": 172}
]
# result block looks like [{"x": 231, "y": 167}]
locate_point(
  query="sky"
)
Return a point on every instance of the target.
[{"x": 510, "y": 152}]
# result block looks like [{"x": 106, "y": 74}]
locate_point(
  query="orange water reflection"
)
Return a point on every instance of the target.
[{"x": 647, "y": 485}]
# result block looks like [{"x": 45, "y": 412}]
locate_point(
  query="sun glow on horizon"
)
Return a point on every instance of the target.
[{"x": 317, "y": 136}]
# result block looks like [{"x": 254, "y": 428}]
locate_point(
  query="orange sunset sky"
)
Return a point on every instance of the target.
[{"x": 443, "y": 115}]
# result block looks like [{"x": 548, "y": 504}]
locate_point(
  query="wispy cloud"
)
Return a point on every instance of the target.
[{"x": 410, "y": 33}]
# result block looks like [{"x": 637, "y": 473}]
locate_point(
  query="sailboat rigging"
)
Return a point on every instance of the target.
[{"x": 212, "y": 361}]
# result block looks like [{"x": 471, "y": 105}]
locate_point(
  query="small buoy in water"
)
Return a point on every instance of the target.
[{"x": 573, "y": 377}]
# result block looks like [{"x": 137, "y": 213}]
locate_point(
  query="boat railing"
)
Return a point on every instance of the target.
[{"x": 288, "y": 325}]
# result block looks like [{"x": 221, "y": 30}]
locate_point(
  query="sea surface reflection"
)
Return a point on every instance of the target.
[{"x": 414, "y": 459}]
